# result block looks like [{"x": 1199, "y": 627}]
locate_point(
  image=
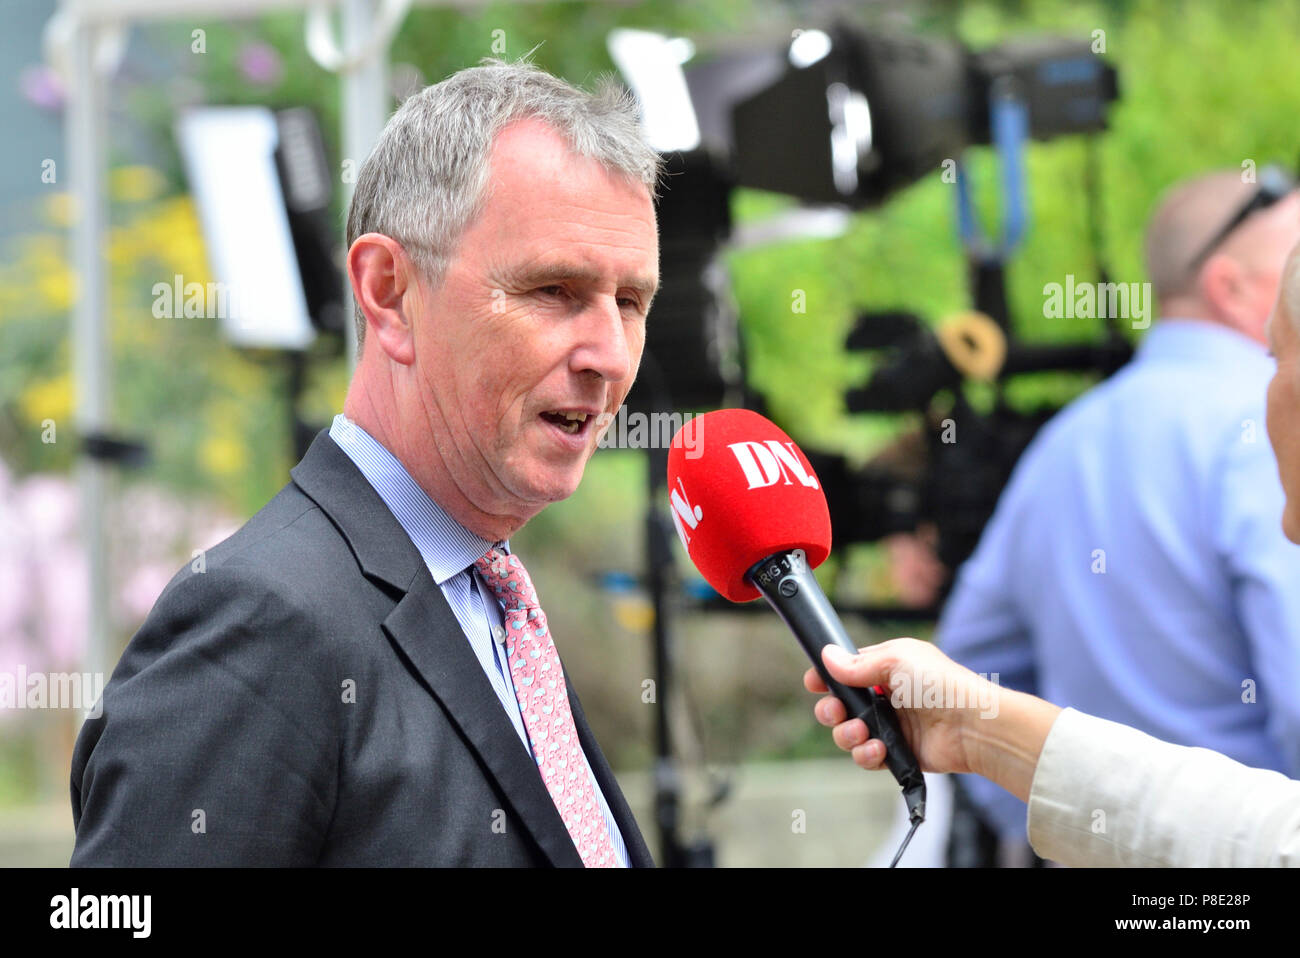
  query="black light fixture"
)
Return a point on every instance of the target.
[
  {"x": 692, "y": 355},
  {"x": 856, "y": 116}
]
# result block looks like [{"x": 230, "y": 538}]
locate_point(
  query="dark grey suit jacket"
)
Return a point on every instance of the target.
[{"x": 309, "y": 698}]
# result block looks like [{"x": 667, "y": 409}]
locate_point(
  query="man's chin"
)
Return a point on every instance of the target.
[
  {"x": 549, "y": 475},
  {"x": 543, "y": 489}
]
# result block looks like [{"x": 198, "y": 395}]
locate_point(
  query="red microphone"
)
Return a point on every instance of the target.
[
  {"x": 740, "y": 491},
  {"x": 752, "y": 515}
]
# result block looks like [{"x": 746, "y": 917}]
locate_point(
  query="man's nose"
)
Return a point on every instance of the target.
[{"x": 602, "y": 343}]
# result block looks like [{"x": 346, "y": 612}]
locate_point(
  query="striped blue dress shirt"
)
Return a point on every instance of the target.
[{"x": 449, "y": 550}]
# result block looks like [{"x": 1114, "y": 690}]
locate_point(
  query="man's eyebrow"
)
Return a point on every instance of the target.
[{"x": 560, "y": 272}]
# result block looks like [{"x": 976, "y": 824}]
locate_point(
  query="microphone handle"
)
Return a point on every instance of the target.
[{"x": 792, "y": 590}]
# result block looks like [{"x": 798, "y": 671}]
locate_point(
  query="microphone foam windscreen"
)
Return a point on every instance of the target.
[{"x": 740, "y": 491}]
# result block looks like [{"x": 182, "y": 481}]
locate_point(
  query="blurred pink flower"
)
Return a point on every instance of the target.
[
  {"x": 44, "y": 589},
  {"x": 41, "y": 87},
  {"x": 142, "y": 588},
  {"x": 15, "y": 577},
  {"x": 61, "y": 602},
  {"x": 260, "y": 64},
  {"x": 48, "y": 504}
]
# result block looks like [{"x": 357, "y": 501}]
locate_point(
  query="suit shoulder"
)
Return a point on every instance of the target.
[
  {"x": 287, "y": 576},
  {"x": 289, "y": 547}
]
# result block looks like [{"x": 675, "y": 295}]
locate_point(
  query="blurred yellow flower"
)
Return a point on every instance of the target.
[
  {"x": 49, "y": 399},
  {"x": 222, "y": 456},
  {"x": 38, "y": 279},
  {"x": 56, "y": 287},
  {"x": 174, "y": 234},
  {"x": 135, "y": 184},
  {"x": 634, "y": 613}
]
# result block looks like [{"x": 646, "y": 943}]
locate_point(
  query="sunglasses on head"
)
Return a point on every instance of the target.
[{"x": 1274, "y": 183}]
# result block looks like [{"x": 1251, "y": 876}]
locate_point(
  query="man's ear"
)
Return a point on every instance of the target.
[
  {"x": 382, "y": 275},
  {"x": 1221, "y": 285}
]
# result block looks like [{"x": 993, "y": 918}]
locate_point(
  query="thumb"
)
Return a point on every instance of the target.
[{"x": 861, "y": 670}]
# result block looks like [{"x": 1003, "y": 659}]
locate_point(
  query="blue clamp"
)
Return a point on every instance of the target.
[{"x": 1009, "y": 120}]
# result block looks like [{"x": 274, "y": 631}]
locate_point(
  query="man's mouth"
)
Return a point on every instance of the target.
[{"x": 568, "y": 422}]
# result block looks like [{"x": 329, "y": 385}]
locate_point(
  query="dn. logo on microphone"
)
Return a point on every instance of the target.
[
  {"x": 766, "y": 462},
  {"x": 685, "y": 515}
]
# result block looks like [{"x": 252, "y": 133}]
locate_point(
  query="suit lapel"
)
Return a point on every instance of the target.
[
  {"x": 638, "y": 854},
  {"x": 425, "y": 630}
]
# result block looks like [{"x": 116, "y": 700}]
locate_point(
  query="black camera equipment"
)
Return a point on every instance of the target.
[
  {"x": 958, "y": 484},
  {"x": 848, "y": 117}
]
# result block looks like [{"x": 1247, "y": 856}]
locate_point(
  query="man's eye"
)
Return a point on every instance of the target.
[
  {"x": 630, "y": 302},
  {"x": 552, "y": 290}
]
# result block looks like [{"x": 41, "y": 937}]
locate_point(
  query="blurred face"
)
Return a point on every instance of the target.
[
  {"x": 538, "y": 325},
  {"x": 1284, "y": 414}
]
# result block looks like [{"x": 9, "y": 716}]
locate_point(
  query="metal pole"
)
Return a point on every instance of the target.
[
  {"x": 365, "y": 111},
  {"x": 84, "y": 146}
]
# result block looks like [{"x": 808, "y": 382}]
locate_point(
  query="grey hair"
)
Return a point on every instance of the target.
[{"x": 426, "y": 179}]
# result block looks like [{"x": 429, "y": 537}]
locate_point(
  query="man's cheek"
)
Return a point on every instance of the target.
[{"x": 636, "y": 349}]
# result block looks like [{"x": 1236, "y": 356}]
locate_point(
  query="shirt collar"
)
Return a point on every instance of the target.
[
  {"x": 446, "y": 546},
  {"x": 1177, "y": 338}
]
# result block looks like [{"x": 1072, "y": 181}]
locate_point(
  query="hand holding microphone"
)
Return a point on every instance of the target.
[
  {"x": 956, "y": 721},
  {"x": 936, "y": 724},
  {"x": 753, "y": 518}
]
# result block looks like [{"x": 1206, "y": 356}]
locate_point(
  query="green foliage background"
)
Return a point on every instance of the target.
[{"x": 1203, "y": 85}]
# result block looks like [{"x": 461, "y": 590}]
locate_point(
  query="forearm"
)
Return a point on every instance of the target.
[
  {"x": 1004, "y": 747},
  {"x": 1106, "y": 794}
]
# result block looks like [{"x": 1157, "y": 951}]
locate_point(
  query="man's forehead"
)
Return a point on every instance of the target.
[
  {"x": 525, "y": 136},
  {"x": 529, "y": 150},
  {"x": 556, "y": 215}
]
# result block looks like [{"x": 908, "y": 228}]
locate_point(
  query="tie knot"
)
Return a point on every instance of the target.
[{"x": 508, "y": 579}]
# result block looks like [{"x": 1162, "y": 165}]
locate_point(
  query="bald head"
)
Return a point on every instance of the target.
[
  {"x": 1237, "y": 283},
  {"x": 1186, "y": 217}
]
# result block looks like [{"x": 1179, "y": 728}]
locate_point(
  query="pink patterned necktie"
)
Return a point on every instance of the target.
[{"x": 544, "y": 704}]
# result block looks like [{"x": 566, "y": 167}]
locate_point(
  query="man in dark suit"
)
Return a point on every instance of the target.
[{"x": 337, "y": 683}]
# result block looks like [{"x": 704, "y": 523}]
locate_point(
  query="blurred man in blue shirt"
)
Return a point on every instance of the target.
[{"x": 1135, "y": 567}]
